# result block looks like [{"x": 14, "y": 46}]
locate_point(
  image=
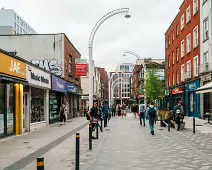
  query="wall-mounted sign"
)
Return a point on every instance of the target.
[
  {"x": 58, "y": 84},
  {"x": 85, "y": 97},
  {"x": 71, "y": 87},
  {"x": 177, "y": 90},
  {"x": 38, "y": 77},
  {"x": 81, "y": 69},
  {"x": 81, "y": 61},
  {"x": 12, "y": 66},
  {"x": 193, "y": 86}
]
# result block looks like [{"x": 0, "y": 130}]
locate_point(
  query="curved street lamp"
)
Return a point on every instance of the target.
[
  {"x": 132, "y": 53},
  {"x": 90, "y": 45}
]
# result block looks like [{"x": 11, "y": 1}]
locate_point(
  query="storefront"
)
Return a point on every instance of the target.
[
  {"x": 56, "y": 98},
  {"x": 36, "y": 110},
  {"x": 12, "y": 79},
  {"x": 192, "y": 101},
  {"x": 71, "y": 100}
]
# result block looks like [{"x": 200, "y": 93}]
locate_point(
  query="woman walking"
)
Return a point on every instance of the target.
[{"x": 63, "y": 114}]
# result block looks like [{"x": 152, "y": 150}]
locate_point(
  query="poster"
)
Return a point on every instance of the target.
[
  {"x": 1, "y": 123},
  {"x": 10, "y": 123}
]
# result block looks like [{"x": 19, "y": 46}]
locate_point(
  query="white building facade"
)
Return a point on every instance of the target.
[
  {"x": 205, "y": 56},
  {"x": 12, "y": 23}
]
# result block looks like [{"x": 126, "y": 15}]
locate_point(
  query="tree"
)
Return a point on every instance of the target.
[{"x": 154, "y": 87}]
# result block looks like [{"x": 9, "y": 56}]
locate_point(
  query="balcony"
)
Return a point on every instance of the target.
[
  {"x": 205, "y": 67},
  {"x": 187, "y": 75}
]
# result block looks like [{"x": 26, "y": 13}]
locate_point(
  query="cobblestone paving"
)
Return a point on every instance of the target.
[{"x": 129, "y": 146}]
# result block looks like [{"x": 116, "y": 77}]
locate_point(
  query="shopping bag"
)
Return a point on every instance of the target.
[{"x": 138, "y": 113}]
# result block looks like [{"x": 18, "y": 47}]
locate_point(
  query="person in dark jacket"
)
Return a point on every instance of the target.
[{"x": 134, "y": 109}]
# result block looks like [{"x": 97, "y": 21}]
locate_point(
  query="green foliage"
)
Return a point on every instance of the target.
[{"x": 154, "y": 87}]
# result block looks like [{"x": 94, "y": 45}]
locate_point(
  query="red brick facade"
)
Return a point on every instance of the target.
[
  {"x": 71, "y": 54},
  {"x": 174, "y": 36},
  {"x": 104, "y": 83}
]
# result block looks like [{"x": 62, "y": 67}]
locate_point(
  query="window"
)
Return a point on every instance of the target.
[
  {"x": 205, "y": 57},
  {"x": 182, "y": 49},
  {"x": 14, "y": 15},
  {"x": 195, "y": 37},
  {"x": 173, "y": 35},
  {"x": 169, "y": 41},
  {"x": 178, "y": 76},
  {"x": 196, "y": 67},
  {"x": 205, "y": 62},
  {"x": 189, "y": 66},
  {"x": 18, "y": 19},
  {"x": 188, "y": 43},
  {"x": 173, "y": 58},
  {"x": 177, "y": 53},
  {"x": 166, "y": 43},
  {"x": 205, "y": 29},
  {"x": 188, "y": 14},
  {"x": 14, "y": 26},
  {"x": 177, "y": 30},
  {"x": 21, "y": 22},
  {"x": 173, "y": 80},
  {"x": 70, "y": 64},
  {"x": 182, "y": 72},
  {"x": 20, "y": 30},
  {"x": 169, "y": 61},
  {"x": 182, "y": 22},
  {"x": 195, "y": 7},
  {"x": 17, "y": 28}
]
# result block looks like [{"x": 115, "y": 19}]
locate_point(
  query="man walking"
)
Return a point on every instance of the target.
[
  {"x": 142, "y": 113},
  {"x": 105, "y": 112},
  {"x": 152, "y": 115}
]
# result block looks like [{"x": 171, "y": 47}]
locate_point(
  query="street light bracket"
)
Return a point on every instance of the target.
[
  {"x": 132, "y": 53},
  {"x": 105, "y": 17}
]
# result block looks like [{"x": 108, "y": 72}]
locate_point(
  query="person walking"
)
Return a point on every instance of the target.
[
  {"x": 105, "y": 112},
  {"x": 152, "y": 115},
  {"x": 118, "y": 109},
  {"x": 113, "y": 110},
  {"x": 123, "y": 110},
  {"x": 134, "y": 109},
  {"x": 63, "y": 114},
  {"x": 142, "y": 113}
]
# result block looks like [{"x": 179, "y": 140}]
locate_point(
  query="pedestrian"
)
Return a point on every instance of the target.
[
  {"x": 63, "y": 114},
  {"x": 152, "y": 115},
  {"x": 113, "y": 110},
  {"x": 123, "y": 110},
  {"x": 134, "y": 109},
  {"x": 142, "y": 113},
  {"x": 105, "y": 112},
  {"x": 118, "y": 108}
]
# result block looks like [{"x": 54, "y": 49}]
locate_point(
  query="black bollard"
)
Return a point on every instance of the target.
[
  {"x": 193, "y": 124},
  {"x": 169, "y": 125},
  {"x": 40, "y": 163},
  {"x": 77, "y": 151},
  {"x": 101, "y": 125},
  {"x": 97, "y": 130},
  {"x": 90, "y": 136}
]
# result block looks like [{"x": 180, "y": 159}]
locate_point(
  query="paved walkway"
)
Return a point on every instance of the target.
[{"x": 131, "y": 147}]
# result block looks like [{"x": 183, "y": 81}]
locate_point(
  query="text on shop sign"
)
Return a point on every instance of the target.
[
  {"x": 16, "y": 67},
  {"x": 39, "y": 78}
]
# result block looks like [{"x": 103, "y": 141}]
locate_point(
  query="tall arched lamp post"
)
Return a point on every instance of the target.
[
  {"x": 90, "y": 45},
  {"x": 132, "y": 53}
]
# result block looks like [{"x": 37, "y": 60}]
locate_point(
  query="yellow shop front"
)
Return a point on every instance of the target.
[{"x": 12, "y": 80}]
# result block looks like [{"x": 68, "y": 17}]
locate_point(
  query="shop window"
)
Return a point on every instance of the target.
[
  {"x": 2, "y": 104},
  {"x": 37, "y": 105},
  {"x": 11, "y": 108}
]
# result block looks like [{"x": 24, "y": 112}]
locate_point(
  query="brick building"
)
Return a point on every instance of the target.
[{"x": 182, "y": 52}]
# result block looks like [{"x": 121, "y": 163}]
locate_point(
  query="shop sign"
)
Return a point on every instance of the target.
[
  {"x": 71, "y": 87},
  {"x": 177, "y": 90},
  {"x": 81, "y": 69},
  {"x": 85, "y": 97},
  {"x": 193, "y": 86},
  {"x": 38, "y": 77},
  {"x": 58, "y": 84},
  {"x": 12, "y": 66}
]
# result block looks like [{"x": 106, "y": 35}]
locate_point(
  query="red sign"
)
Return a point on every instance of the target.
[
  {"x": 177, "y": 90},
  {"x": 81, "y": 69}
]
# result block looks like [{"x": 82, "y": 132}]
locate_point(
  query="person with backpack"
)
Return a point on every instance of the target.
[
  {"x": 142, "y": 111},
  {"x": 105, "y": 112},
  {"x": 152, "y": 116}
]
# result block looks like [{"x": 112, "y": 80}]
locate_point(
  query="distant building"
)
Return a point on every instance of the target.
[{"x": 12, "y": 23}]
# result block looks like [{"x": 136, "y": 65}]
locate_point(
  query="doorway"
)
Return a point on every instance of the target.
[{"x": 25, "y": 111}]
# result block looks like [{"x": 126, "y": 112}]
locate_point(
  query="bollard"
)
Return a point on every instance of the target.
[
  {"x": 101, "y": 125},
  {"x": 77, "y": 151},
  {"x": 193, "y": 124},
  {"x": 169, "y": 125},
  {"x": 40, "y": 163},
  {"x": 90, "y": 136},
  {"x": 97, "y": 130}
]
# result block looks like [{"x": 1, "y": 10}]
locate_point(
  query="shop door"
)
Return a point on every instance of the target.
[
  {"x": 25, "y": 110},
  {"x": 2, "y": 110}
]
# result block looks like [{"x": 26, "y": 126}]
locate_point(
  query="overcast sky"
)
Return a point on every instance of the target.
[{"x": 143, "y": 33}]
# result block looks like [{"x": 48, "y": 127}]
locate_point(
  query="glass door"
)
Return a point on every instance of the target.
[
  {"x": 25, "y": 110},
  {"x": 2, "y": 109}
]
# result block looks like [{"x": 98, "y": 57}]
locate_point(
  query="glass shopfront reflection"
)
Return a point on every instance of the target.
[{"x": 2, "y": 108}]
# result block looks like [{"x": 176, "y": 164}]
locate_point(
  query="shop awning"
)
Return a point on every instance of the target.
[{"x": 205, "y": 89}]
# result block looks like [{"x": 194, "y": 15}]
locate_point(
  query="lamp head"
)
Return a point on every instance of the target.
[{"x": 127, "y": 16}]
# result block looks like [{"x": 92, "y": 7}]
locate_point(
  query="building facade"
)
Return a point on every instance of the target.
[
  {"x": 104, "y": 83},
  {"x": 182, "y": 42},
  {"x": 54, "y": 53},
  {"x": 12, "y": 23}
]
